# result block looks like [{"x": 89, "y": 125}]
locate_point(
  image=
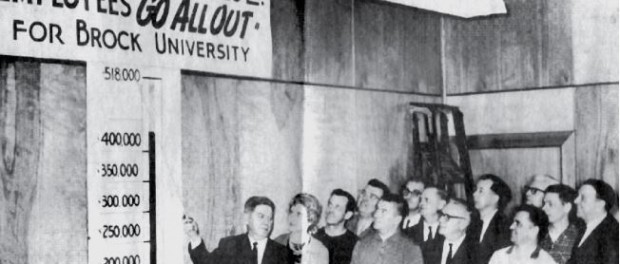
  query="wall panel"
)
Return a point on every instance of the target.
[
  {"x": 528, "y": 47},
  {"x": 353, "y": 136},
  {"x": 328, "y": 42},
  {"x": 596, "y": 128},
  {"x": 43, "y": 134},
  {"x": 240, "y": 138},
  {"x": 396, "y": 48},
  {"x": 287, "y": 36}
]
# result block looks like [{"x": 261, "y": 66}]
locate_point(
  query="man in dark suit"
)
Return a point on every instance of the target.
[
  {"x": 598, "y": 244},
  {"x": 490, "y": 228},
  {"x": 254, "y": 247},
  {"x": 425, "y": 232},
  {"x": 457, "y": 247}
]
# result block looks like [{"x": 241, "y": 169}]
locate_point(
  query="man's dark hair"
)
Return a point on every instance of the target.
[
  {"x": 567, "y": 196},
  {"x": 255, "y": 201},
  {"x": 379, "y": 184},
  {"x": 351, "y": 205},
  {"x": 401, "y": 205},
  {"x": 537, "y": 217},
  {"x": 500, "y": 188},
  {"x": 565, "y": 192},
  {"x": 603, "y": 191}
]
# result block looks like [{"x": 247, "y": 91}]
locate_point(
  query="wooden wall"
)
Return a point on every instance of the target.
[
  {"x": 596, "y": 133},
  {"x": 371, "y": 45},
  {"x": 397, "y": 48},
  {"x": 240, "y": 138},
  {"x": 527, "y": 48},
  {"x": 244, "y": 138},
  {"x": 351, "y": 137},
  {"x": 43, "y": 173},
  {"x": 500, "y": 71}
]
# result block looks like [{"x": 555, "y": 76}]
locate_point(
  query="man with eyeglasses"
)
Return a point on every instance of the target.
[
  {"x": 386, "y": 244},
  {"x": 412, "y": 193},
  {"x": 367, "y": 201},
  {"x": 425, "y": 232},
  {"x": 457, "y": 246},
  {"x": 528, "y": 227},
  {"x": 534, "y": 190}
]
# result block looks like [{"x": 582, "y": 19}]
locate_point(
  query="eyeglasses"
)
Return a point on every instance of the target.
[
  {"x": 533, "y": 190},
  {"x": 442, "y": 214},
  {"x": 406, "y": 192}
]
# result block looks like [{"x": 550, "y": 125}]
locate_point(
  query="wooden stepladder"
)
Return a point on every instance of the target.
[{"x": 439, "y": 148}]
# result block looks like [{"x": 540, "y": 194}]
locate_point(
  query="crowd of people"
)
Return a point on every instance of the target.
[{"x": 425, "y": 225}]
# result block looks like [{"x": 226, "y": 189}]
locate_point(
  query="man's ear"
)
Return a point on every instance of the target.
[
  {"x": 246, "y": 217},
  {"x": 567, "y": 207},
  {"x": 348, "y": 215},
  {"x": 442, "y": 204}
]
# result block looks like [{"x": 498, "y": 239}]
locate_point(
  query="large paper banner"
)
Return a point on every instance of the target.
[
  {"x": 461, "y": 8},
  {"x": 221, "y": 36}
]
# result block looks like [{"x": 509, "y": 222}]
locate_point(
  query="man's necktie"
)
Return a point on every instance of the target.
[
  {"x": 430, "y": 234},
  {"x": 255, "y": 253},
  {"x": 449, "y": 258}
]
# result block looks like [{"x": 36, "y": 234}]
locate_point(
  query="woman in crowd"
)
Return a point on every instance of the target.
[{"x": 303, "y": 217}]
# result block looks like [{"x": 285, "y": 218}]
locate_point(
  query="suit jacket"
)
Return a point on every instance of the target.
[
  {"x": 465, "y": 254},
  {"x": 237, "y": 250},
  {"x": 430, "y": 249},
  {"x": 497, "y": 236},
  {"x": 600, "y": 247}
]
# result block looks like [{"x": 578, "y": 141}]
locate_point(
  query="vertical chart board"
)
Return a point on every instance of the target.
[{"x": 122, "y": 114}]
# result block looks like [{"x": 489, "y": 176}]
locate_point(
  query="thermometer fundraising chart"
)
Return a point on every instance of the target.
[{"x": 122, "y": 166}]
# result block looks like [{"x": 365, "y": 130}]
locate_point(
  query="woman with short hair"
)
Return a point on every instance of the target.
[{"x": 304, "y": 214}]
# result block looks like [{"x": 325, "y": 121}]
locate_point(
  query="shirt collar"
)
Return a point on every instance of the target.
[
  {"x": 261, "y": 242},
  {"x": 434, "y": 226}
]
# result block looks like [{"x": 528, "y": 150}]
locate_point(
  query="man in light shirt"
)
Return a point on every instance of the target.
[
  {"x": 534, "y": 191},
  {"x": 528, "y": 227},
  {"x": 412, "y": 193},
  {"x": 457, "y": 247},
  {"x": 490, "y": 229},
  {"x": 386, "y": 244},
  {"x": 599, "y": 242},
  {"x": 367, "y": 201}
]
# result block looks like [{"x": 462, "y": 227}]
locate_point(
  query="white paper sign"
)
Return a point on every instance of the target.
[{"x": 220, "y": 36}]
